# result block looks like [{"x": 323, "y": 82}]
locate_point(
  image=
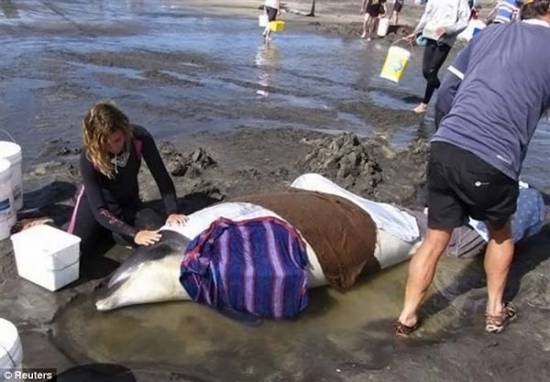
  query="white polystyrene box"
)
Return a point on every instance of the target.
[{"x": 47, "y": 256}]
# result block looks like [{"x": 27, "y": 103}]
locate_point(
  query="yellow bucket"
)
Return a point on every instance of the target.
[
  {"x": 277, "y": 26},
  {"x": 395, "y": 64}
]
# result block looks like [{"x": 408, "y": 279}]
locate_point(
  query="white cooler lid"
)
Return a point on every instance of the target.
[{"x": 46, "y": 238}]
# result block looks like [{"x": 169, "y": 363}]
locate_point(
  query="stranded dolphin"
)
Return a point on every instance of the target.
[
  {"x": 344, "y": 236},
  {"x": 151, "y": 274}
]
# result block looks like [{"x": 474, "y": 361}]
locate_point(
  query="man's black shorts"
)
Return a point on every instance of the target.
[
  {"x": 271, "y": 13},
  {"x": 460, "y": 185}
]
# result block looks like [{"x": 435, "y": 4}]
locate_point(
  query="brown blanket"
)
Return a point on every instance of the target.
[{"x": 342, "y": 235}]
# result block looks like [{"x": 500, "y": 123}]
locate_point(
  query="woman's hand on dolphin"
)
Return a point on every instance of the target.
[
  {"x": 147, "y": 237},
  {"x": 177, "y": 219}
]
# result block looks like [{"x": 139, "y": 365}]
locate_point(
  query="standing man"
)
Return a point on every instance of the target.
[{"x": 476, "y": 154}]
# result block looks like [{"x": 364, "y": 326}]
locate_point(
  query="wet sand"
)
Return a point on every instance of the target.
[{"x": 259, "y": 114}]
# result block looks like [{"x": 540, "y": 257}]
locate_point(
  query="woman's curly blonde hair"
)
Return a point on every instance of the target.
[{"x": 99, "y": 123}]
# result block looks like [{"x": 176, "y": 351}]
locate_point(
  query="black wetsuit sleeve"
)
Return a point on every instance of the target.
[
  {"x": 99, "y": 208},
  {"x": 160, "y": 174}
]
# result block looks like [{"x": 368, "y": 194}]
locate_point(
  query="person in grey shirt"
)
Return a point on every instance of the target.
[{"x": 476, "y": 154}]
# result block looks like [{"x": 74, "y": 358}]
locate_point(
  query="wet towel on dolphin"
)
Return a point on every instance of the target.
[
  {"x": 387, "y": 217},
  {"x": 255, "y": 266},
  {"x": 341, "y": 233}
]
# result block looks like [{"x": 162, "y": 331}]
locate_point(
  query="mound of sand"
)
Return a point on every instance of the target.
[
  {"x": 347, "y": 161},
  {"x": 189, "y": 165}
]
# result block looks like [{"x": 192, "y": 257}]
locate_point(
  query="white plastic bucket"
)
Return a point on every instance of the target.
[
  {"x": 7, "y": 210},
  {"x": 47, "y": 256},
  {"x": 263, "y": 20},
  {"x": 11, "y": 351},
  {"x": 395, "y": 64},
  {"x": 12, "y": 152},
  {"x": 383, "y": 26}
]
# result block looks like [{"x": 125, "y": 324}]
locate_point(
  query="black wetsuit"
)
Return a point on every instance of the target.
[{"x": 106, "y": 206}]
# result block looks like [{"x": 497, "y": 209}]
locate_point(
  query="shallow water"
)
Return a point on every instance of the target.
[
  {"x": 173, "y": 71},
  {"x": 336, "y": 332}
]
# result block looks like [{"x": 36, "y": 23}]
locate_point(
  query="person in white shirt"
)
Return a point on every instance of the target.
[
  {"x": 272, "y": 9},
  {"x": 441, "y": 22}
]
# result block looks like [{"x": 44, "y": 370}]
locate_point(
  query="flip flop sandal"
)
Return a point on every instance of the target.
[
  {"x": 496, "y": 324},
  {"x": 402, "y": 330}
]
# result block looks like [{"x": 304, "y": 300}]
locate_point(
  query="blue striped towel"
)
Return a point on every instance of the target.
[{"x": 255, "y": 266}]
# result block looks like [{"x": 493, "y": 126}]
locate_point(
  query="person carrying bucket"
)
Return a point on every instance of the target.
[
  {"x": 441, "y": 22},
  {"x": 272, "y": 9},
  {"x": 372, "y": 9},
  {"x": 108, "y": 202}
]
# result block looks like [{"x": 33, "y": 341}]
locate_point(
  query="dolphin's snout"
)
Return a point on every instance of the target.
[{"x": 103, "y": 305}]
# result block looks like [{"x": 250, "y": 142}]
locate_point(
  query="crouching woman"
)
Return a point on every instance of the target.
[{"x": 108, "y": 203}]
